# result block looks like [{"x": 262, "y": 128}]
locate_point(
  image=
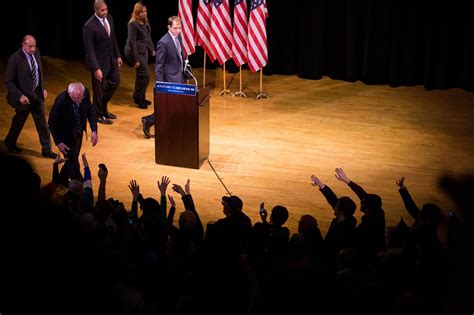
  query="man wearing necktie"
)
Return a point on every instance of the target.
[
  {"x": 26, "y": 94},
  {"x": 169, "y": 63},
  {"x": 102, "y": 59},
  {"x": 67, "y": 121}
]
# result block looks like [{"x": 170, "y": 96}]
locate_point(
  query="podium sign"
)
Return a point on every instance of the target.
[
  {"x": 175, "y": 88},
  {"x": 181, "y": 124}
]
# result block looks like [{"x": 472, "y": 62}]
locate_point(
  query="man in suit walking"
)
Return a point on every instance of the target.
[
  {"x": 67, "y": 122},
  {"x": 169, "y": 65},
  {"x": 102, "y": 59},
  {"x": 26, "y": 94}
]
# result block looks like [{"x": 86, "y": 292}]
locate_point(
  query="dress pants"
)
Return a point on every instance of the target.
[
  {"x": 105, "y": 89},
  {"x": 36, "y": 108},
  {"x": 142, "y": 79},
  {"x": 72, "y": 167}
]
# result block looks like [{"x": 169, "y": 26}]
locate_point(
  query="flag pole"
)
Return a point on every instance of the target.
[
  {"x": 261, "y": 94},
  {"x": 224, "y": 90},
  {"x": 240, "y": 92},
  {"x": 204, "y": 72}
]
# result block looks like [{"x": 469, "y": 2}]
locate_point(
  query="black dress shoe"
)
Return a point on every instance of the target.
[
  {"x": 146, "y": 128},
  {"x": 104, "y": 121},
  {"x": 142, "y": 106},
  {"x": 110, "y": 116},
  {"x": 49, "y": 154},
  {"x": 147, "y": 102},
  {"x": 12, "y": 147}
]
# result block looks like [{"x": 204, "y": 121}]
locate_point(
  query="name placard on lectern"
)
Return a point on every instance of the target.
[{"x": 175, "y": 88}]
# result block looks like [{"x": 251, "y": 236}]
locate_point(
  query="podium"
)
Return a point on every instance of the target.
[{"x": 181, "y": 124}]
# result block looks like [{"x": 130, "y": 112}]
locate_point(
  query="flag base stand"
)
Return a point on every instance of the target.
[
  {"x": 262, "y": 95},
  {"x": 240, "y": 93},
  {"x": 224, "y": 91}
]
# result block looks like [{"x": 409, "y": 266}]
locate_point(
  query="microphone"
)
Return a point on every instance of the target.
[{"x": 188, "y": 70}]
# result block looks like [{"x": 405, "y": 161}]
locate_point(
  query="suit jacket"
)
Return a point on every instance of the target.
[
  {"x": 101, "y": 50},
  {"x": 18, "y": 77},
  {"x": 61, "y": 118},
  {"x": 138, "y": 41},
  {"x": 169, "y": 66}
]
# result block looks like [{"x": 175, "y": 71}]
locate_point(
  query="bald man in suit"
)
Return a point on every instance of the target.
[
  {"x": 102, "y": 59},
  {"x": 26, "y": 94}
]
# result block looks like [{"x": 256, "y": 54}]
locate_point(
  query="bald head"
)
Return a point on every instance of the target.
[
  {"x": 29, "y": 44},
  {"x": 100, "y": 8}
]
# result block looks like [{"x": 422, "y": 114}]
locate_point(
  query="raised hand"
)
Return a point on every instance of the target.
[
  {"x": 134, "y": 188},
  {"x": 165, "y": 181},
  {"x": 58, "y": 160},
  {"x": 400, "y": 182},
  {"x": 341, "y": 175},
  {"x": 178, "y": 189},
  {"x": 172, "y": 202},
  {"x": 84, "y": 160},
  {"x": 316, "y": 182},
  {"x": 102, "y": 174},
  {"x": 186, "y": 188}
]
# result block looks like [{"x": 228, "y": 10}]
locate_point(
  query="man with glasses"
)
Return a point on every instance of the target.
[{"x": 67, "y": 122}]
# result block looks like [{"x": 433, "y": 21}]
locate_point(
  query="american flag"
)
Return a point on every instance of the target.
[
  {"x": 203, "y": 27},
  {"x": 187, "y": 31},
  {"x": 258, "y": 54},
  {"x": 221, "y": 31},
  {"x": 239, "y": 45}
]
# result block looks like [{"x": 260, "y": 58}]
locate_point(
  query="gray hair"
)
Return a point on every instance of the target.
[{"x": 74, "y": 86}]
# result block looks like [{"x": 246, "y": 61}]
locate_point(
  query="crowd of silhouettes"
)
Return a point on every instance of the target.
[{"x": 69, "y": 250}]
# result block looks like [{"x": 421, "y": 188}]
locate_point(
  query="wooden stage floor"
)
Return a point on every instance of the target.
[{"x": 266, "y": 150}]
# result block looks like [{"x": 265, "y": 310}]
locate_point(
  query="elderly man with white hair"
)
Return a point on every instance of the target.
[{"x": 71, "y": 110}]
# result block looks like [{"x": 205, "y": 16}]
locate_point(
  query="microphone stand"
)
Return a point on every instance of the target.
[{"x": 189, "y": 72}]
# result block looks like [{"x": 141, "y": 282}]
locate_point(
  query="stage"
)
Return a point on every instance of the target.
[{"x": 266, "y": 150}]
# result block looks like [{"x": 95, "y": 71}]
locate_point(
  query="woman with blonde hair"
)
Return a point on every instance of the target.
[{"x": 137, "y": 47}]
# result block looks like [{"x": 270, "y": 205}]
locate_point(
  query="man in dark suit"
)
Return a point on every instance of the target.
[
  {"x": 102, "y": 59},
  {"x": 67, "y": 122},
  {"x": 26, "y": 93},
  {"x": 169, "y": 63}
]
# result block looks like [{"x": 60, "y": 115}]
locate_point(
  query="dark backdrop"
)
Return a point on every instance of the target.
[{"x": 375, "y": 41}]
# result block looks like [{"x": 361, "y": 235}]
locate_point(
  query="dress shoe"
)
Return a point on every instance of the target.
[
  {"x": 146, "y": 128},
  {"x": 141, "y": 103},
  {"x": 12, "y": 147},
  {"x": 49, "y": 154},
  {"x": 110, "y": 116},
  {"x": 147, "y": 102},
  {"x": 104, "y": 121}
]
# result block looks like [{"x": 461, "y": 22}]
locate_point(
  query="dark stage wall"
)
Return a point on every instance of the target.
[{"x": 377, "y": 42}]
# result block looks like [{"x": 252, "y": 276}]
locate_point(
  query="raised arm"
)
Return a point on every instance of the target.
[
  {"x": 410, "y": 205},
  {"x": 358, "y": 190},
  {"x": 327, "y": 192}
]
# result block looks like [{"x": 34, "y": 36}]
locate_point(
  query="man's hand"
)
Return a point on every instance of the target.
[
  {"x": 341, "y": 175},
  {"x": 119, "y": 61},
  {"x": 98, "y": 75},
  {"x": 153, "y": 53},
  {"x": 400, "y": 182},
  {"x": 24, "y": 100},
  {"x": 94, "y": 138},
  {"x": 45, "y": 94},
  {"x": 63, "y": 148},
  {"x": 137, "y": 64},
  {"x": 163, "y": 185},
  {"x": 135, "y": 189}
]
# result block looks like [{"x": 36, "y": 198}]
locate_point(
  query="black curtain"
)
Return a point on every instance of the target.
[{"x": 377, "y": 42}]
